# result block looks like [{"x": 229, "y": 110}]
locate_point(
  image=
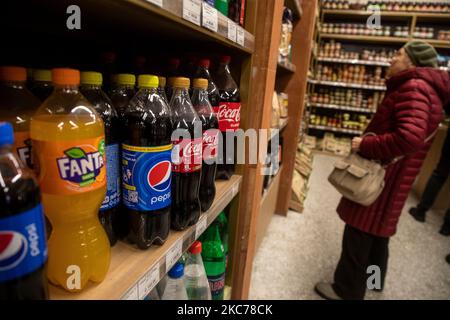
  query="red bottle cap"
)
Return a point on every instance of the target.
[
  {"x": 225, "y": 59},
  {"x": 196, "y": 248},
  {"x": 205, "y": 63}
]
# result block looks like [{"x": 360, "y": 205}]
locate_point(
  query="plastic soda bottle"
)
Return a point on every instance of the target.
[
  {"x": 23, "y": 245},
  {"x": 91, "y": 88},
  {"x": 213, "y": 255},
  {"x": 69, "y": 143},
  {"x": 41, "y": 85},
  {"x": 196, "y": 282},
  {"x": 122, "y": 91},
  {"x": 17, "y": 105},
  {"x": 175, "y": 289}
]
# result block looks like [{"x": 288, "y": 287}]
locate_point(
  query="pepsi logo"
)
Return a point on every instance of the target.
[
  {"x": 13, "y": 249},
  {"x": 159, "y": 176}
]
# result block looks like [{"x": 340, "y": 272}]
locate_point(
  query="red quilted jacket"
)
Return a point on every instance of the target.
[{"x": 409, "y": 113}]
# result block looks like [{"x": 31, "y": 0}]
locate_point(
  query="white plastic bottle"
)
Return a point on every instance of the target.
[
  {"x": 197, "y": 285},
  {"x": 175, "y": 289}
]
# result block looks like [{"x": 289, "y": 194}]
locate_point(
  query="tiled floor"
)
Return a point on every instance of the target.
[{"x": 302, "y": 249}]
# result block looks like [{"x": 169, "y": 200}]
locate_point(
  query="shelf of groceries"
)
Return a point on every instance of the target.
[
  {"x": 346, "y": 85},
  {"x": 397, "y": 14},
  {"x": 354, "y": 61},
  {"x": 444, "y": 44},
  {"x": 339, "y": 107},
  {"x": 133, "y": 273},
  {"x": 287, "y": 66},
  {"x": 334, "y": 129}
]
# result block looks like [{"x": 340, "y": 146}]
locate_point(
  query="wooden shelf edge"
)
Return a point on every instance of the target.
[
  {"x": 397, "y": 14},
  {"x": 346, "y": 85},
  {"x": 287, "y": 66},
  {"x": 354, "y": 61},
  {"x": 173, "y": 10},
  {"x": 340, "y": 108},
  {"x": 273, "y": 131},
  {"x": 337, "y": 130},
  {"x": 270, "y": 188},
  {"x": 130, "y": 267}
]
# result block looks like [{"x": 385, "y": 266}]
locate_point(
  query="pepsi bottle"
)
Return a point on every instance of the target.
[
  {"x": 146, "y": 165},
  {"x": 210, "y": 136},
  {"x": 23, "y": 246},
  {"x": 229, "y": 114},
  {"x": 186, "y": 158}
]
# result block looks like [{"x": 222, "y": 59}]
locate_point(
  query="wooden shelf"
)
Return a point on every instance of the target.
[
  {"x": 332, "y": 129},
  {"x": 274, "y": 131},
  {"x": 346, "y": 85},
  {"x": 396, "y": 14},
  {"x": 354, "y": 61},
  {"x": 339, "y": 107},
  {"x": 133, "y": 272},
  {"x": 379, "y": 39},
  {"x": 286, "y": 66}
]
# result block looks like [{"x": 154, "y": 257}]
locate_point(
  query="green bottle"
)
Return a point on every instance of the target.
[
  {"x": 222, "y": 6},
  {"x": 222, "y": 220},
  {"x": 213, "y": 256}
]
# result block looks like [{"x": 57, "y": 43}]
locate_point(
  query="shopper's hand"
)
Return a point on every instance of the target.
[{"x": 356, "y": 142}]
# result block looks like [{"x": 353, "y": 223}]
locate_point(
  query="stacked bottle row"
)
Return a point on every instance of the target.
[
  {"x": 113, "y": 161},
  {"x": 354, "y": 74},
  {"x": 340, "y": 120},
  {"x": 354, "y": 98},
  {"x": 200, "y": 273},
  {"x": 362, "y": 29},
  {"x": 233, "y": 9},
  {"x": 388, "y": 5},
  {"x": 334, "y": 49}
]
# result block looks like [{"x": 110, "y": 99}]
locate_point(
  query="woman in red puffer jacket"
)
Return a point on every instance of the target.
[{"x": 404, "y": 125}]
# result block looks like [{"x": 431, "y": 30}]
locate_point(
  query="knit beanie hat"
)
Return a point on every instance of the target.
[{"x": 421, "y": 54}]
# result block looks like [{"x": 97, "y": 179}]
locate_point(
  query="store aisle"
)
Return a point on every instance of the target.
[{"x": 302, "y": 249}]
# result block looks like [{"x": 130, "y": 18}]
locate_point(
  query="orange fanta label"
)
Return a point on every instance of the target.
[
  {"x": 22, "y": 147},
  {"x": 71, "y": 167}
]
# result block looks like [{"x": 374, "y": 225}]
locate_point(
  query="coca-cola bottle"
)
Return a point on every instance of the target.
[
  {"x": 203, "y": 73},
  {"x": 229, "y": 115},
  {"x": 186, "y": 158},
  {"x": 210, "y": 132}
]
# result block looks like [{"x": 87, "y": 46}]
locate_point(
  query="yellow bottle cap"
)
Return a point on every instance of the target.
[
  {"x": 200, "y": 83},
  {"x": 90, "y": 77},
  {"x": 43, "y": 75},
  {"x": 162, "y": 81},
  {"x": 148, "y": 81},
  {"x": 125, "y": 79},
  {"x": 181, "y": 83}
]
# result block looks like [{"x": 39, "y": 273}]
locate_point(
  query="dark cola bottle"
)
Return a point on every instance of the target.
[
  {"x": 146, "y": 165},
  {"x": 229, "y": 114},
  {"x": 186, "y": 158},
  {"x": 210, "y": 134},
  {"x": 203, "y": 73}
]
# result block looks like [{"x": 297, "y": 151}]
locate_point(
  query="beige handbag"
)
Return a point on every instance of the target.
[{"x": 360, "y": 180}]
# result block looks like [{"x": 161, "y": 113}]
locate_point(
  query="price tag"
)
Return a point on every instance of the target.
[
  {"x": 174, "y": 254},
  {"x": 192, "y": 11},
  {"x": 231, "y": 30},
  {"x": 200, "y": 227},
  {"x": 131, "y": 294},
  {"x": 158, "y": 3},
  {"x": 209, "y": 17},
  {"x": 240, "y": 36},
  {"x": 148, "y": 281}
]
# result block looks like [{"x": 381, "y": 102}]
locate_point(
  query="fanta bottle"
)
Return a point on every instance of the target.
[
  {"x": 69, "y": 143},
  {"x": 17, "y": 105}
]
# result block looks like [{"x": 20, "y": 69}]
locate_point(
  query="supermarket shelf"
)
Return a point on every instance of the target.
[
  {"x": 346, "y": 85},
  {"x": 327, "y": 153},
  {"x": 338, "y": 107},
  {"x": 379, "y": 39},
  {"x": 354, "y": 61},
  {"x": 397, "y": 14},
  {"x": 133, "y": 272},
  {"x": 339, "y": 130},
  {"x": 295, "y": 6},
  {"x": 274, "y": 131},
  {"x": 287, "y": 66}
]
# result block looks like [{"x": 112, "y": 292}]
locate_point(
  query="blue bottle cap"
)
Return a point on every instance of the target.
[
  {"x": 6, "y": 133},
  {"x": 177, "y": 271}
]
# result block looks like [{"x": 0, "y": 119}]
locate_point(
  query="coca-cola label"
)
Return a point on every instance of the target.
[
  {"x": 210, "y": 144},
  {"x": 229, "y": 115},
  {"x": 187, "y": 155}
]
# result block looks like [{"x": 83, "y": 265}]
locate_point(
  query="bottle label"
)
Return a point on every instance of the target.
[
  {"x": 22, "y": 146},
  {"x": 112, "y": 197},
  {"x": 229, "y": 115},
  {"x": 71, "y": 167},
  {"x": 23, "y": 246},
  {"x": 217, "y": 285},
  {"x": 146, "y": 177},
  {"x": 210, "y": 144},
  {"x": 187, "y": 155}
]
